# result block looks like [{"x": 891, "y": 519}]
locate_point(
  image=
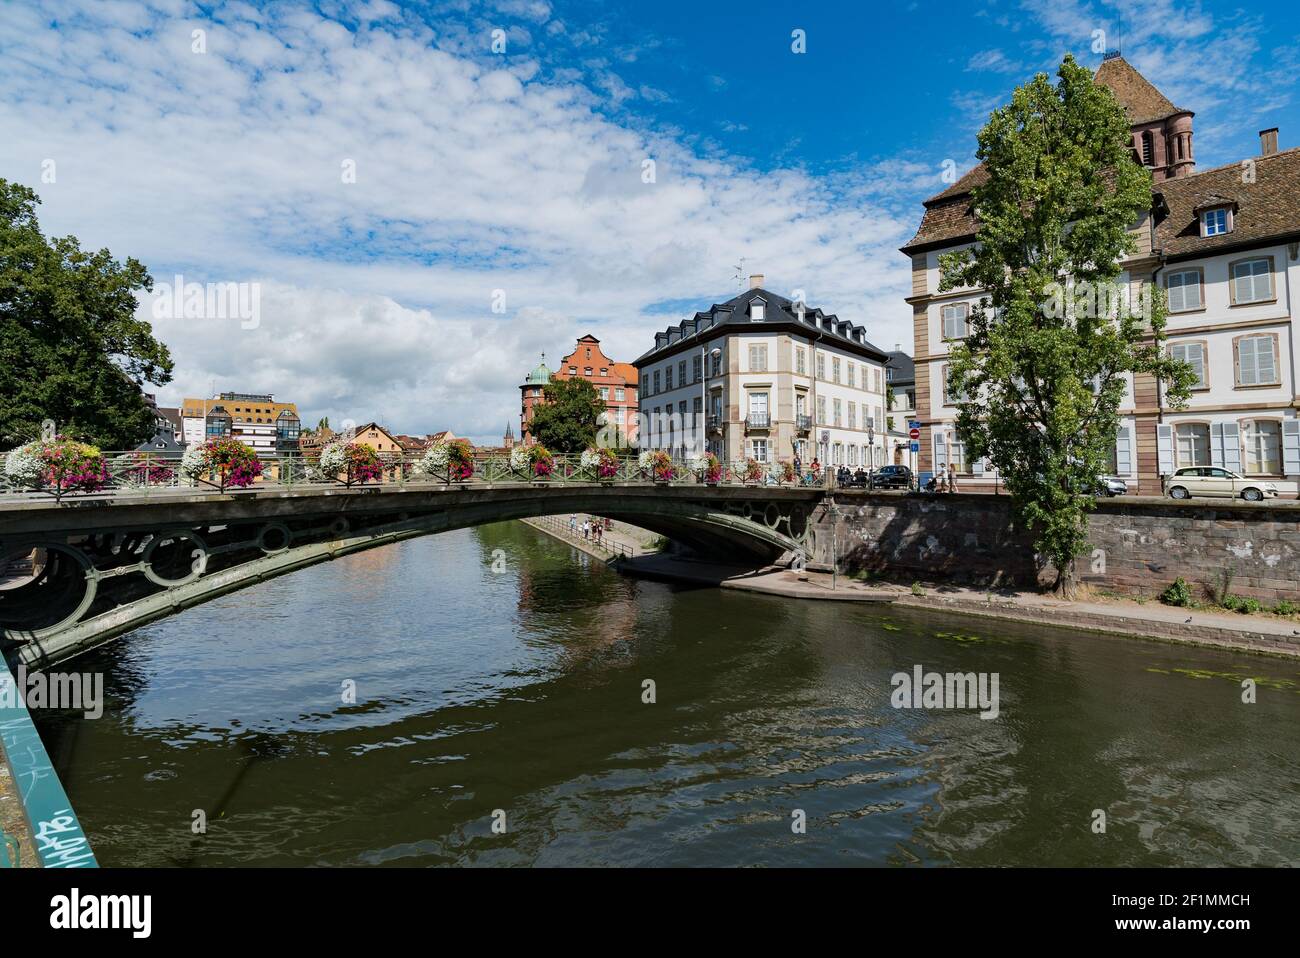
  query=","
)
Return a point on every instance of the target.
[{"x": 1217, "y": 483}]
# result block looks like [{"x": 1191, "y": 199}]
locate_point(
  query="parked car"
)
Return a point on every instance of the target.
[
  {"x": 1110, "y": 486},
  {"x": 892, "y": 477},
  {"x": 1211, "y": 481}
]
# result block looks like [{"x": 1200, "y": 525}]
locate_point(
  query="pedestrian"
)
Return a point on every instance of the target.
[
  {"x": 941, "y": 478},
  {"x": 573, "y": 522},
  {"x": 952, "y": 477},
  {"x": 798, "y": 466}
]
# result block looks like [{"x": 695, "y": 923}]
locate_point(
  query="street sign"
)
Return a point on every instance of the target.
[
  {"x": 914, "y": 424},
  {"x": 826, "y": 435},
  {"x": 916, "y": 447},
  {"x": 914, "y": 433}
]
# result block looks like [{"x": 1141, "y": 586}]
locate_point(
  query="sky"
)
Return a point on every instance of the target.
[{"x": 426, "y": 197}]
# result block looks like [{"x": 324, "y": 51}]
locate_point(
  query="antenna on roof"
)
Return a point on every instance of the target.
[{"x": 740, "y": 274}]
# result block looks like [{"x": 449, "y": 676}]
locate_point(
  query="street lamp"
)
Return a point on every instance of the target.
[{"x": 871, "y": 444}]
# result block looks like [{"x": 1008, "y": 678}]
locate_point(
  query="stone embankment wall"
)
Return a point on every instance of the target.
[{"x": 1139, "y": 545}]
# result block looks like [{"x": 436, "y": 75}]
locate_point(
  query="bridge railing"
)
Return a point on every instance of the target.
[{"x": 149, "y": 473}]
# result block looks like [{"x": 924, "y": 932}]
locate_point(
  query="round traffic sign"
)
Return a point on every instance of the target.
[{"x": 914, "y": 433}]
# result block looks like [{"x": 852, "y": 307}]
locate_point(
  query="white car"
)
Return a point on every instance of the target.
[{"x": 1215, "y": 482}]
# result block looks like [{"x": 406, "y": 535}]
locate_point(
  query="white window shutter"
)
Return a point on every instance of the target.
[
  {"x": 940, "y": 451},
  {"x": 1291, "y": 446},
  {"x": 1165, "y": 448},
  {"x": 1231, "y": 447},
  {"x": 977, "y": 467},
  {"x": 1123, "y": 453},
  {"x": 1216, "y": 444}
]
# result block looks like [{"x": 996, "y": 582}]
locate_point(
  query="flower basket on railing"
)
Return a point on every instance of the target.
[
  {"x": 57, "y": 466},
  {"x": 784, "y": 472},
  {"x": 233, "y": 464},
  {"x": 141, "y": 470},
  {"x": 453, "y": 460},
  {"x": 355, "y": 462},
  {"x": 658, "y": 465},
  {"x": 601, "y": 463},
  {"x": 707, "y": 469},
  {"x": 534, "y": 461},
  {"x": 752, "y": 471}
]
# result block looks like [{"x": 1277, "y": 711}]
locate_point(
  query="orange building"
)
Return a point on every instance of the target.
[{"x": 616, "y": 382}]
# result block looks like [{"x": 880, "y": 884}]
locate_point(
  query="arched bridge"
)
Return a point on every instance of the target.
[{"x": 81, "y": 572}]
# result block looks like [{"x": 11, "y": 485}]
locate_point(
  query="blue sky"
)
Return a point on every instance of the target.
[{"x": 515, "y": 178}]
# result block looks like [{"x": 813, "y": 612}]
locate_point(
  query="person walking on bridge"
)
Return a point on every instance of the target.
[{"x": 573, "y": 522}]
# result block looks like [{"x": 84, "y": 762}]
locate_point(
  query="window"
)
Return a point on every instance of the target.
[
  {"x": 800, "y": 362},
  {"x": 604, "y": 370},
  {"x": 821, "y": 366},
  {"x": 668, "y": 377},
  {"x": 604, "y": 393},
  {"x": 717, "y": 364},
  {"x": 656, "y": 381},
  {"x": 952, "y": 395},
  {"x": 573, "y": 370},
  {"x": 889, "y": 374},
  {"x": 681, "y": 373},
  {"x": 759, "y": 447},
  {"x": 619, "y": 395},
  {"x": 875, "y": 379},
  {"x": 758, "y": 359},
  {"x": 1194, "y": 355},
  {"x": 1257, "y": 360},
  {"x": 697, "y": 368},
  {"x": 1263, "y": 441},
  {"x": 757, "y": 310},
  {"x": 821, "y": 410},
  {"x": 954, "y": 320},
  {"x": 1252, "y": 280},
  {"x": 835, "y": 369},
  {"x": 1184, "y": 291},
  {"x": 586, "y": 371},
  {"x": 853, "y": 415},
  {"x": 1214, "y": 222},
  {"x": 1192, "y": 444},
  {"x": 836, "y": 407},
  {"x": 758, "y": 409},
  {"x": 849, "y": 370}
]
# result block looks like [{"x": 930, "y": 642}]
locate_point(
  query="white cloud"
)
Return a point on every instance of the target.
[{"x": 473, "y": 173}]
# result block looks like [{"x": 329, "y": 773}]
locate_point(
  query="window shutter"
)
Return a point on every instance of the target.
[
  {"x": 1216, "y": 445},
  {"x": 1231, "y": 447},
  {"x": 977, "y": 467},
  {"x": 1123, "y": 453},
  {"x": 1291, "y": 446},
  {"x": 1165, "y": 448},
  {"x": 940, "y": 451}
]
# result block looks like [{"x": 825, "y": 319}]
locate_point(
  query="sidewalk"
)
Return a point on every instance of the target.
[
  {"x": 770, "y": 580},
  {"x": 622, "y": 541}
]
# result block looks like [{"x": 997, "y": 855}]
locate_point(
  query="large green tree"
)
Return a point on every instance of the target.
[
  {"x": 566, "y": 420},
  {"x": 1054, "y": 341},
  {"x": 71, "y": 347}
]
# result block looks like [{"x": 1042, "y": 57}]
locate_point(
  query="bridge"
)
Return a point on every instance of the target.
[{"x": 83, "y": 570}]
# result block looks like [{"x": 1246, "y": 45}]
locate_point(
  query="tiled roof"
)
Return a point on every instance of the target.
[
  {"x": 1267, "y": 208},
  {"x": 1141, "y": 101},
  {"x": 779, "y": 312},
  {"x": 903, "y": 366}
]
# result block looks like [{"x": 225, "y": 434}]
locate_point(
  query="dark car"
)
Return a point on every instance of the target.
[{"x": 892, "y": 477}]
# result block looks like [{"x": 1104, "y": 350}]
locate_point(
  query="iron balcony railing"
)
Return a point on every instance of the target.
[
  {"x": 802, "y": 422},
  {"x": 758, "y": 420}
]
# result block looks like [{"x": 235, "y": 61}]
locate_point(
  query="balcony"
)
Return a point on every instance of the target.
[
  {"x": 802, "y": 424},
  {"x": 714, "y": 425},
  {"x": 757, "y": 420}
]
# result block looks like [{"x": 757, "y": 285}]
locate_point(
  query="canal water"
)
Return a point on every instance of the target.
[{"x": 498, "y": 671}]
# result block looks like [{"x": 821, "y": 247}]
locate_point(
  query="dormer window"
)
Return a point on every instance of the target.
[
  {"x": 757, "y": 310},
  {"x": 1216, "y": 222}
]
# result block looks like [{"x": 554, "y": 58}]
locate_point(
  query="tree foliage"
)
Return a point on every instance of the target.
[
  {"x": 566, "y": 421},
  {"x": 1057, "y": 335},
  {"x": 71, "y": 347}
]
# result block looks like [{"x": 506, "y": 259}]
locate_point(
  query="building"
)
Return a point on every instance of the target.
[
  {"x": 167, "y": 422},
  {"x": 531, "y": 392},
  {"x": 253, "y": 418},
  {"x": 900, "y": 396},
  {"x": 615, "y": 381},
  {"x": 759, "y": 376},
  {"x": 1223, "y": 242}
]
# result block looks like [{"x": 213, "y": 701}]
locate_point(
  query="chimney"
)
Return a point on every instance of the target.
[
  {"x": 1268, "y": 141},
  {"x": 755, "y": 280}
]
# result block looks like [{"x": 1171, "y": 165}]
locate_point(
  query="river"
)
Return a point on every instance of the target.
[{"x": 499, "y": 677}]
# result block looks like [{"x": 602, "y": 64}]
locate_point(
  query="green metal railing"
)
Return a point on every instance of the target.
[{"x": 146, "y": 474}]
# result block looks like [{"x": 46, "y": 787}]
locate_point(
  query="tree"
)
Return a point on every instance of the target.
[
  {"x": 565, "y": 421},
  {"x": 71, "y": 347},
  {"x": 1052, "y": 343}
]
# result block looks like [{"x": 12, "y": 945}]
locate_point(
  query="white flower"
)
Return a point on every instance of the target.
[
  {"x": 645, "y": 458},
  {"x": 590, "y": 459},
  {"x": 23, "y": 466},
  {"x": 334, "y": 458},
  {"x": 699, "y": 464},
  {"x": 519, "y": 457},
  {"x": 435, "y": 457},
  {"x": 194, "y": 463}
]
